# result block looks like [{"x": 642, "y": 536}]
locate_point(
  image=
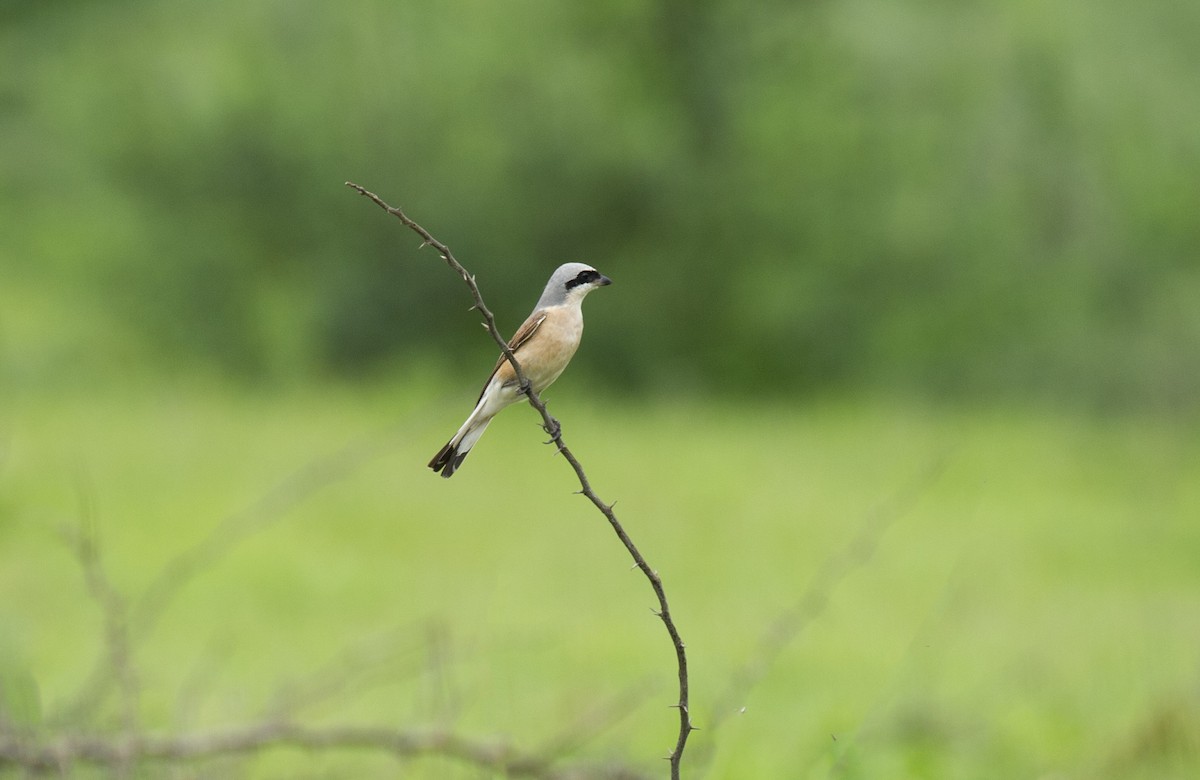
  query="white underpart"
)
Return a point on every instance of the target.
[{"x": 495, "y": 398}]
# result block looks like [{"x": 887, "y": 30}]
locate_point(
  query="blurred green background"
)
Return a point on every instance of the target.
[
  {"x": 850, "y": 239},
  {"x": 965, "y": 200}
]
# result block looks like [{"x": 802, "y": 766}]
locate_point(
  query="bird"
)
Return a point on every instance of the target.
[{"x": 543, "y": 345}]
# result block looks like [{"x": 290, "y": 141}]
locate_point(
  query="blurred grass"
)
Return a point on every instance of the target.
[{"x": 1032, "y": 615}]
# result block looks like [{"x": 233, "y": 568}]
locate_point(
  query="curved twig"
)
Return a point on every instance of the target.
[
  {"x": 140, "y": 617},
  {"x": 553, "y": 428},
  {"x": 63, "y": 754}
]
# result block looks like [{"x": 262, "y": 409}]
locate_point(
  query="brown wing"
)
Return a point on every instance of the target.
[{"x": 519, "y": 338}]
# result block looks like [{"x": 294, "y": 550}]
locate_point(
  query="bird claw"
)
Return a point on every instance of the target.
[{"x": 553, "y": 429}]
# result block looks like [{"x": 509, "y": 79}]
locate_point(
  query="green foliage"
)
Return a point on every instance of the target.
[{"x": 945, "y": 198}]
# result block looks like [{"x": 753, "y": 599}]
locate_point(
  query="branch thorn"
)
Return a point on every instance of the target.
[{"x": 553, "y": 428}]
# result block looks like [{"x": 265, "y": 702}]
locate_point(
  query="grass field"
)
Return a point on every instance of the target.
[{"x": 1026, "y": 605}]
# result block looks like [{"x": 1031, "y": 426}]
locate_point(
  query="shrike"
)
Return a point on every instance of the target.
[{"x": 543, "y": 346}]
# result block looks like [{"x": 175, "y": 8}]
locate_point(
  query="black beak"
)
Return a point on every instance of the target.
[{"x": 603, "y": 281}]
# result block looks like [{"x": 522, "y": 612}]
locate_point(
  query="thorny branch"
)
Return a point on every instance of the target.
[{"x": 553, "y": 428}]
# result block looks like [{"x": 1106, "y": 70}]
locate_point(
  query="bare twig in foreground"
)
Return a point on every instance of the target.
[
  {"x": 140, "y": 618},
  {"x": 591, "y": 721},
  {"x": 553, "y": 428},
  {"x": 117, "y": 657},
  {"x": 812, "y": 602},
  {"x": 359, "y": 667},
  {"x": 61, "y": 750},
  {"x": 61, "y": 755}
]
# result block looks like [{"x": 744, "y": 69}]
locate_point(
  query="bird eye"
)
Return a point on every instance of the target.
[{"x": 583, "y": 277}]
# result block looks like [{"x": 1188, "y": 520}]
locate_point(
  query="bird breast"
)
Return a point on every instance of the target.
[{"x": 549, "y": 351}]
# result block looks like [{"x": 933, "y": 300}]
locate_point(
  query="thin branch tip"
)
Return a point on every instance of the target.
[{"x": 554, "y": 428}]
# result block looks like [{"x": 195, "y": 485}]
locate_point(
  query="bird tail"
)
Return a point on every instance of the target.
[{"x": 450, "y": 457}]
